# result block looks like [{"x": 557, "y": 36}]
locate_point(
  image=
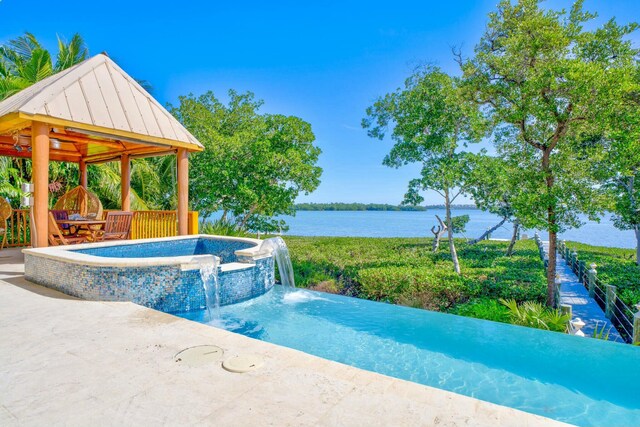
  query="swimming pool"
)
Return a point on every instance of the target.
[{"x": 580, "y": 381}]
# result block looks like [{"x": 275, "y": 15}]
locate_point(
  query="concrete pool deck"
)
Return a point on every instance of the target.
[{"x": 65, "y": 361}]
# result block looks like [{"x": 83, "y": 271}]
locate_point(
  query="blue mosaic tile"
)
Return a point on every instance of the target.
[
  {"x": 225, "y": 249},
  {"x": 166, "y": 287}
]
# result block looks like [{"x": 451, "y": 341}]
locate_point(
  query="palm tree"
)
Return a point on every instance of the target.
[{"x": 24, "y": 61}]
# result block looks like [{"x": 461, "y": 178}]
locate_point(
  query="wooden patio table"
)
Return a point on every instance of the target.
[{"x": 93, "y": 226}]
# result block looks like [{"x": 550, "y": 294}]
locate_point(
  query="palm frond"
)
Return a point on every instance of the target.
[
  {"x": 10, "y": 86},
  {"x": 72, "y": 53},
  {"x": 24, "y": 46},
  {"x": 38, "y": 66}
]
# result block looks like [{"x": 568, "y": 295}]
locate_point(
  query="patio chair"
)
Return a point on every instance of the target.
[
  {"x": 56, "y": 238},
  {"x": 60, "y": 215},
  {"x": 117, "y": 226},
  {"x": 5, "y": 214},
  {"x": 80, "y": 201}
]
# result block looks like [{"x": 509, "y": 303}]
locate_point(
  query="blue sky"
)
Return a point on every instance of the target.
[{"x": 324, "y": 62}]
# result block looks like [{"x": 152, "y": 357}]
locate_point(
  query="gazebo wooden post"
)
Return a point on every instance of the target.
[
  {"x": 182, "y": 158},
  {"x": 125, "y": 182},
  {"x": 40, "y": 177},
  {"x": 83, "y": 173}
]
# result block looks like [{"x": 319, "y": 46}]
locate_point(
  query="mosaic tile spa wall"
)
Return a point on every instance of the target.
[{"x": 169, "y": 288}]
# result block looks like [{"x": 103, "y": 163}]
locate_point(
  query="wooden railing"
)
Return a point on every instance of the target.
[
  {"x": 145, "y": 225},
  {"x": 152, "y": 224},
  {"x": 18, "y": 232}
]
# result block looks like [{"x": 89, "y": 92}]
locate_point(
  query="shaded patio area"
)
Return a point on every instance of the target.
[{"x": 92, "y": 113}]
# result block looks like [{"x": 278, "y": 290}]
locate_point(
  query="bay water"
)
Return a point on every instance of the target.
[{"x": 418, "y": 224}]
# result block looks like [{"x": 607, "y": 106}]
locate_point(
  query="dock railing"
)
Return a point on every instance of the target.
[{"x": 625, "y": 320}]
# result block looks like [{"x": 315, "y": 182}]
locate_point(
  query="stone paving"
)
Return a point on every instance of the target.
[
  {"x": 574, "y": 293},
  {"x": 70, "y": 362}
]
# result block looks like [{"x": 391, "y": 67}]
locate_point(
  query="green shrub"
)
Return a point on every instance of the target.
[
  {"x": 601, "y": 333},
  {"x": 221, "y": 227},
  {"x": 406, "y": 271},
  {"x": 536, "y": 315},
  {"x": 483, "y": 308}
]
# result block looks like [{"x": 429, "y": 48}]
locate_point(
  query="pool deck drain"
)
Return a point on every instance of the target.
[
  {"x": 65, "y": 361},
  {"x": 199, "y": 355},
  {"x": 243, "y": 363}
]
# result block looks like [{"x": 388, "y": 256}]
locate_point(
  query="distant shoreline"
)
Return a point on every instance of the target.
[{"x": 357, "y": 207}]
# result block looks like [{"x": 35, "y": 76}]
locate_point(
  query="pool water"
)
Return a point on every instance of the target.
[{"x": 577, "y": 380}]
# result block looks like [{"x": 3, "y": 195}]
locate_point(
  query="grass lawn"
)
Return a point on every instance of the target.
[
  {"x": 616, "y": 267},
  {"x": 406, "y": 271}
]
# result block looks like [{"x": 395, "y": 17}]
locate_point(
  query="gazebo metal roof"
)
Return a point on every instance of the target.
[{"x": 96, "y": 112}]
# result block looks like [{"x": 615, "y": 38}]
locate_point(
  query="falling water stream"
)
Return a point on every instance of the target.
[
  {"x": 278, "y": 247},
  {"x": 211, "y": 287}
]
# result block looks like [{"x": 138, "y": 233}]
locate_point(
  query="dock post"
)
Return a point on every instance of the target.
[
  {"x": 592, "y": 274},
  {"x": 582, "y": 269},
  {"x": 636, "y": 327},
  {"x": 610, "y": 301}
]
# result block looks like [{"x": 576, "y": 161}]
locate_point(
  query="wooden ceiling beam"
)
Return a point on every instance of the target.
[
  {"x": 133, "y": 153},
  {"x": 82, "y": 139},
  {"x": 79, "y": 139},
  {"x": 10, "y": 151},
  {"x": 8, "y": 140}
]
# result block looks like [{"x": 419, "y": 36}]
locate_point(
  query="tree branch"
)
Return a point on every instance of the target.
[{"x": 523, "y": 132}]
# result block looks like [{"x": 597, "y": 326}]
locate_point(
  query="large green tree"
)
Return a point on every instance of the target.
[
  {"x": 491, "y": 186},
  {"x": 254, "y": 165},
  {"x": 430, "y": 121},
  {"x": 619, "y": 165},
  {"x": 544, "y": 79}
]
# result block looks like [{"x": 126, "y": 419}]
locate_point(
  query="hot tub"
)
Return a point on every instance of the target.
[{"x": 163, "y": 274}]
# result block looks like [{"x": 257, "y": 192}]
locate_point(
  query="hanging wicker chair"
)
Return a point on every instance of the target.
[
  {"x": 5, "y": 214},
  {"x": 80, "y": 201}
]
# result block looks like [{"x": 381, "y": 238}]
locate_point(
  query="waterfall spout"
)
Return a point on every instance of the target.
[
  {"x": 211, "y": 287},
  {"x": 278, "y": 248}
]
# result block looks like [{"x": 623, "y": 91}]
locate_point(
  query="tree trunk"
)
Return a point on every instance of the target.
[
  {"x": 224, "y": 216},
  {"x": 489, "y": 231},
  {"x": 551, "y": 270},
  {"x": 514, "y": 236},
  {"x": 246, "y": 217},
  {"x": 438, "y": 232},
  {"x": 452, "y": 246},
  {"x": 632, "y": 201},
  {"x": 551, "y": 226},
  {"x": 637, "y": 231}
]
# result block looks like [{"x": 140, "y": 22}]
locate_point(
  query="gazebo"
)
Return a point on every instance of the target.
[{"x": 92, "y": 113}]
